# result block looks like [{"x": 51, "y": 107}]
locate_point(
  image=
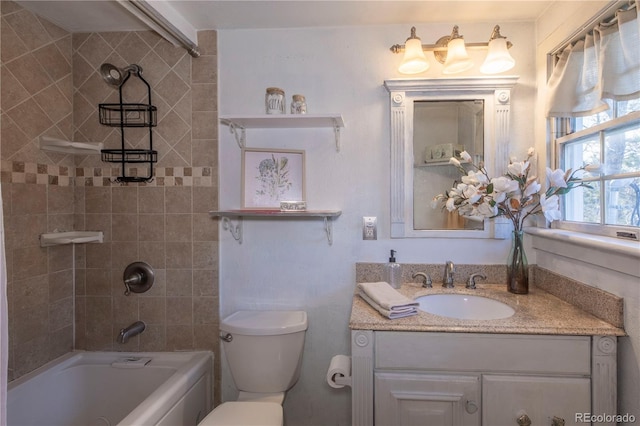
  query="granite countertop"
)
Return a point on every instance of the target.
[{"x": 538, "y": 312}]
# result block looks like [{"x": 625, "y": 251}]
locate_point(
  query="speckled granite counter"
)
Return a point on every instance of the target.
[{"x": 538, "y": 312}]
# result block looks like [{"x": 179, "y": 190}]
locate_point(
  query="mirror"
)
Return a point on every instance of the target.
[
  {"x": 441, "y": 130},
  {"x": 431, "y": 121}
]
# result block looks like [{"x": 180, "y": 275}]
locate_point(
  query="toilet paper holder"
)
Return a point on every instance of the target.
[{"x": 339, "y": 372}]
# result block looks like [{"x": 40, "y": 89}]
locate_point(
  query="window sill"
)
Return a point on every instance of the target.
[{"x": 611, "y": 253}]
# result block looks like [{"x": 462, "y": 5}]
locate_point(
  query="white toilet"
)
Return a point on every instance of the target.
[{"x": 264, "y": 353}]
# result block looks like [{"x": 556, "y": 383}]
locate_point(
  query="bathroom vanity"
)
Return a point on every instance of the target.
[{"x": 548, "y": 364}]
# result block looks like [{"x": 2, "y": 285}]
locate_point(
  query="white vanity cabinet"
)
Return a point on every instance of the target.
[
  {"x": 428, "y": 378},
  {"x": 426, "y": 399}
]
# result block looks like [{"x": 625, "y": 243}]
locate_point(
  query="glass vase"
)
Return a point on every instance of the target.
[{"x": 517, "y": 266}]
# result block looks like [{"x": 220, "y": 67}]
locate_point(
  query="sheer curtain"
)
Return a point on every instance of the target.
[
  {"x": 4, "y": 326},
  {"x": 604, "y": 65}
]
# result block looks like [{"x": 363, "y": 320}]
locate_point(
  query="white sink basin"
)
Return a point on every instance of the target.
[{"x": 464, "y": 306}]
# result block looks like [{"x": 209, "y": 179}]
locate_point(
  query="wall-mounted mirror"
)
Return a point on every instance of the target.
[{"x": 431, "y": 121}]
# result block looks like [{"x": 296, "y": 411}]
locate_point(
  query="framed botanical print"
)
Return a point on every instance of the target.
[{"x": 270, "y": 176}]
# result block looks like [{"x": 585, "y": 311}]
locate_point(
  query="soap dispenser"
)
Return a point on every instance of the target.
[{"x": 393, "y": 271}]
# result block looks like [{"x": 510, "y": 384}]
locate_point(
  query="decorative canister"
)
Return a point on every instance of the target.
[
  {"x": 298, "y": 105},
  {"x": 274, "y": 100}
]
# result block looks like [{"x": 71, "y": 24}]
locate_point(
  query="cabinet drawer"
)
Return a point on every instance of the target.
[
  {"x": 483, "y": 352},
  {"x": 426, "y": 399},
  {"x": 505, "y": 398}
]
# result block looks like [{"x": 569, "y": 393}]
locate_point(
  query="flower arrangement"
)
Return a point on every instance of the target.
[{"x": 515, "y": 195}]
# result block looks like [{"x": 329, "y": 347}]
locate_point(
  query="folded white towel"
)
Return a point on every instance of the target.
[
  {"x": 386, "y": 296},
  {"x": 398, "y": 313}
]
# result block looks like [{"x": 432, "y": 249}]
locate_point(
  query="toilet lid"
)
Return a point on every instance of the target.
[{"x": 237, "y": 413}]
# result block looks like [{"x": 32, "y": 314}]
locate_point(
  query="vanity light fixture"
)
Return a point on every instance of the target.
[{"x": 452, "y": 52}]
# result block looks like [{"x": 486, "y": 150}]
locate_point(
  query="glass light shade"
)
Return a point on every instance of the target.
[
  {"x": 498, "y": 58},
  {"x": 457, "y": 58},
  {"x": 414, "y": 61}
]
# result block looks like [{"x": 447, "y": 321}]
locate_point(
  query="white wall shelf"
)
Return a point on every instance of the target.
[
  {"x": 239, "y": 123},
  {"x": 72, "y": 237},
  {"x": 236, "y": 229},
  {"x": 51, "y": 144}
]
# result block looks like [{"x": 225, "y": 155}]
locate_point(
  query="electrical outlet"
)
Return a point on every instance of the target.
[{"x": 369, "y": 228}]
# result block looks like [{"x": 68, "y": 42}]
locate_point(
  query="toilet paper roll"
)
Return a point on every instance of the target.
[{"x": 339, "y": 373}]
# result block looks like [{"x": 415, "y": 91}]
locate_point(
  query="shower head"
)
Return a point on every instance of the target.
[{"x": 115, "y": 76}]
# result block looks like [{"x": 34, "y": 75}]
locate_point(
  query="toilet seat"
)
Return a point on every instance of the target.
[{"x": 245, "y": 413}]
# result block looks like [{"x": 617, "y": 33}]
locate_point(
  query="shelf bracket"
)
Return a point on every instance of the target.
[
  {"x": 238, "y": 132},
  {"x": 236, "y": 230},
  {"x": 336, "y": 133},
  {"x": 328, "y": 228}
]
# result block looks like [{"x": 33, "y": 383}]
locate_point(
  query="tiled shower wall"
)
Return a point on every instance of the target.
[{"x": 164, "y": 223}]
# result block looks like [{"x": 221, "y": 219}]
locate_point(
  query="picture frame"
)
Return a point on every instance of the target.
[{"x": 270, "y": 176}]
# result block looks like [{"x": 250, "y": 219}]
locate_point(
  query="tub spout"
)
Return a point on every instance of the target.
[{"x": 133, "y": 330}]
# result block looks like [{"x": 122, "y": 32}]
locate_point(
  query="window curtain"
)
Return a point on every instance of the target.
[{"x": 603, "y": 65}]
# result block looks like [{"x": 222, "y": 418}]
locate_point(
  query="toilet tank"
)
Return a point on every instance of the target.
[{"x": 264, "y": 352}]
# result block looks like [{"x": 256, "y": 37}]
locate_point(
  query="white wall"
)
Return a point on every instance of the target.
[
  {"x": 288, "y": 264},
  {"x": 553, "y": 28}
]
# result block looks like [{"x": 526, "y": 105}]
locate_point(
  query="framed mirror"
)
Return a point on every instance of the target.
[{"x": 431, "y": 121}]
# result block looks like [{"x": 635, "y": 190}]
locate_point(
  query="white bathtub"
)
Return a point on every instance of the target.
[{"x": 114, "y": 388}]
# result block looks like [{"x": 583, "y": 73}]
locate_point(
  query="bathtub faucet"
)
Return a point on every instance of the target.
[{"x": 133, "y": 330}]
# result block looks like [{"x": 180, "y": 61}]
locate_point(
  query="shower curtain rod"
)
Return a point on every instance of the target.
[{"x": 161, "y": 25}]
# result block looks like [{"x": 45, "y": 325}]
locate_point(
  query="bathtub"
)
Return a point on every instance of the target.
[{"x": 114, "y": 388}]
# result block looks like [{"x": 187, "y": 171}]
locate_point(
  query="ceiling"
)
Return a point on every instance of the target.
[{"x": 109, "y": 15}]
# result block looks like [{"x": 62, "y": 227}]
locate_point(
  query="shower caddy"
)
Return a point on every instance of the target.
[{"x": 124, "y": 115}]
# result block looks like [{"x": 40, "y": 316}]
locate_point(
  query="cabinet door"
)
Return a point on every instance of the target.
[
  {"x": 403, "y": 399},
  {"x": 504, "y": 398}
]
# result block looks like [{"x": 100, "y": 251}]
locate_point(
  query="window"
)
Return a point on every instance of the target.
[
  {"x": 609, "y": 143},
  {"x": 594, "y": 92}
]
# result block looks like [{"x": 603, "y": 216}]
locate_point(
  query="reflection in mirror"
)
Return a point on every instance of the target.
[
  {"x": 441, "y": 130},
  {"x": 431, "y": 120}
]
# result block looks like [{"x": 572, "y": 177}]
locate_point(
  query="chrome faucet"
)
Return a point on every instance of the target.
[
  {"x": 447, "y": 279},
  {"x": 133, "y": 330},
  {"x": 426, "y": 279}
]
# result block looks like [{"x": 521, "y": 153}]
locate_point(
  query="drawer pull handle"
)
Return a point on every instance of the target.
[
  {"x": 471, "y": 407},
  {"x": 557, "y": 421}
]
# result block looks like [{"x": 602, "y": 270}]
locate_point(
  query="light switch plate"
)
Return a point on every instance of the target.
[{"x": 369, "y": 228}]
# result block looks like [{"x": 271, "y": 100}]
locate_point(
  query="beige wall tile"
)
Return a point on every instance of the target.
[
  {"x": 153, "y": 223},
  {"x": 179, "y": 227},
  {"x": 179, "y": 311},
  {"x": 179, "y": 255},
  {"x": 179, "y": 282},
  {"x": 151, "y": 199}
]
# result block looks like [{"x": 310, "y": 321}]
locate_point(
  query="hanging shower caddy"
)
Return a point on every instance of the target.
[{"x": 126, "y": 115}]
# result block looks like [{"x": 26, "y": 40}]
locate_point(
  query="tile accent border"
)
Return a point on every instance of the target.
[{"x": 47, "y": 174}]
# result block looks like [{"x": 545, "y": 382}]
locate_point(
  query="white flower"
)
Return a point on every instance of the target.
[
  {"x": 472, "y": 194},
  {"x": 450, "y": 205},
  {"x": 532, "y": 188},
  {"x": 486, "y": 210},
  {"x": 550, "y": 207},
  {"x": 518, "y": 168},
  {"x": 556, "y": 178},
  {"x": 504, "y": 184},
  {"x": 464, "y": 155},
  {"x": 475, "y": 178},
  {"x": 454, "y": 161}
]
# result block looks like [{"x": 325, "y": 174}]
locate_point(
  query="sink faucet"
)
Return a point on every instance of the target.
[
  {"x": 447, "y": 279},
  {"x": 133, "y": 330}
]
